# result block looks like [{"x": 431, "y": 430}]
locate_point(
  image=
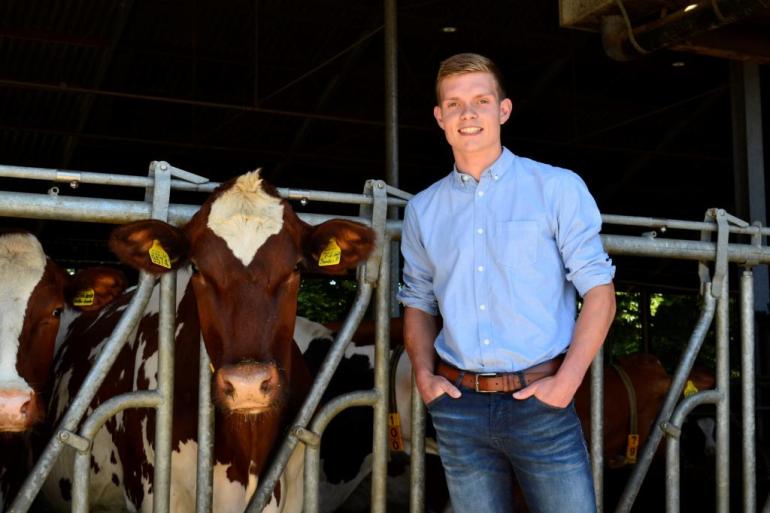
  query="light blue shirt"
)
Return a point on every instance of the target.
[{"x": 501, "y": 259}]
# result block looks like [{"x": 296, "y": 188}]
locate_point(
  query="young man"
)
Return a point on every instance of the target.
[{"x": 498, "y": 248}]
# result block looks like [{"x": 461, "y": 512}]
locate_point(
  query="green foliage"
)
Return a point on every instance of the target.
[
  {"x": 672, "y": 319},
  {"x": 325, "y": 300}
]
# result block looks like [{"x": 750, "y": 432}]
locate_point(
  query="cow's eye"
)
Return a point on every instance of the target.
[
  {"x": 57, "y": 312},
  {"x": 193, "y": 268},
  {"x": 297, "y": 267}
]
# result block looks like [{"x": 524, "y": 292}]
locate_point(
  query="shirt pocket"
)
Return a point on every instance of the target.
[{"x": 515, "y": 243}]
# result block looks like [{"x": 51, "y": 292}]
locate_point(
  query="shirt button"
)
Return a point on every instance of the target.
[
  {"x": 464, "y": 178},
  {"x": 486, "y": 341},
  {"x": 481, "y": 193},
  {"x": 482, "y": 307},
  {"x": 480, "y": 231},
  {"x": 494, "y": 177},
  {"x": 480, "y": 268}
]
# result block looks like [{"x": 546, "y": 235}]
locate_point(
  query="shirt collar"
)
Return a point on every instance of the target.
[{"x": 496, "y": 171}]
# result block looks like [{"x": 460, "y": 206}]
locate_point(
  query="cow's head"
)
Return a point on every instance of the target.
[
  {"x": 34, "y": 292},
  {"x": 246, "y": 248}
]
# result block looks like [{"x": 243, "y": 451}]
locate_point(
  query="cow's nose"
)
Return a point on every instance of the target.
[
  {"x": 17, "y": 410},
  {"x": 248, "y": 387}
]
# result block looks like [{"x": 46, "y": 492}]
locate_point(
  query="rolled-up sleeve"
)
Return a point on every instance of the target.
[
  {"x": 417, "y": 291},
  {"x": 579, "y": 223}
]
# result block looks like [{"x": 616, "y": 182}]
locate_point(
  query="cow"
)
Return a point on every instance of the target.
[
  {"x": 239, "y": 261},
  {"x": 35, "y": 294}
]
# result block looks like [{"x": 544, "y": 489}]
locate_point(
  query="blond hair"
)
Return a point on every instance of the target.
[{"x": 463, "y": 63}]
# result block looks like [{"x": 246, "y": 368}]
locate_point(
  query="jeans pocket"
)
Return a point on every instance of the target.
[
  {"x": 548, "y": 406},
  {"x": 433, "y": 402}
]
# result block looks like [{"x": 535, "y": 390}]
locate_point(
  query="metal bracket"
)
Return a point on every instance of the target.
[
  {"x": 671, "y": 430},
  {"x": 723, "y": 221},
  {"x": 306, "y": 436},
  {"x": 379, "y": 214},
  {"x": 80, "y": 444},
  {"x": 186, "y": 175},
  {"x": 159, "y": 193}
]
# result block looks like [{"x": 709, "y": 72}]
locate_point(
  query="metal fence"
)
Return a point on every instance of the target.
[{"x": 375, "y": 278}]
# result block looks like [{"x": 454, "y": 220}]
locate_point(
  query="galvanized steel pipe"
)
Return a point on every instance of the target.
[
  {"x": 747, "y": 391},
  {"x": 723, "y": 406},
  {"x": 417, "y": 457},
  {"x": 313, "y": 452},
  {"x": 164, "y": 411},
  {"x": 597, "y": 427},
  {"x": 204, "y": 484},
  {"x": 672, "y": 444},
  {"x": 381, "y": 383},
  {"x": 82, "y": 472}
]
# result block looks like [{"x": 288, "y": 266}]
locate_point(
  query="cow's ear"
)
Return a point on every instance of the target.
[
  {"x": 152, "y": 246},
  {"x": 337, "y": 245},
  {"x": 94, "y": 288}
]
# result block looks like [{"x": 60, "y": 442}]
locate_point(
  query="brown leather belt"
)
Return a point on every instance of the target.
[{"x": 489, "y": 382}]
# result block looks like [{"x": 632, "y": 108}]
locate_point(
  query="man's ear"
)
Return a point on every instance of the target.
[
  {"x": 439, "y": 117},
  {"x": 336, "y": 246},
  {"x": 152, "y": 246},
  {"x": 94, "y": 288},
  {"x": 506, "y": 107}
]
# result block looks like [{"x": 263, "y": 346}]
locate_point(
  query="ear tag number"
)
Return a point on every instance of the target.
[
  {"x": 331, "y": 255},
  {"x": 690, "y": 389},
  {"x": 632, "y": 449},
  {"x": 84, "y": 297},
  {"x": 158, "y": 255},
  {"x": 395, "y": 441}
]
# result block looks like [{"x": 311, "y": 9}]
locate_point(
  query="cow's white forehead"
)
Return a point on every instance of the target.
[
  {"x": 245, "y": 216},
  {"x": 22, "y": 264}
]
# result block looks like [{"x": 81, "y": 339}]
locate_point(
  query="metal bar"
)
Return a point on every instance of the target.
[
  {"x": 672, "y": 444},
  {"x": 91, "y": 426},
  {"x": 85, "y": 177},
  {"x": 313, "y": 451},
  {"x": 417, "y": 457},
  {"x": 96, "y": 210},
  {"x": 747, "y": 392},
  {"x": 663, "y": 224},
  {"x": 267, "y": 483},
  {"x": 381, "y": 384},
  {"x": 391, "y": 128},
  {"x": 723, "y": 407},
  {"x": 677, "y": 384},
  {"x": 680, "y": 249},
  {"x": 85, "y": 395},
  {"x": 597, "y": 427},
  {"x": 205, "y": 480},
  {"x": 164, "y": 411}
]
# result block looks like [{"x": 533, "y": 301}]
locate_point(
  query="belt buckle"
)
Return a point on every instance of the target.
[{"x": 484, "y": 375}]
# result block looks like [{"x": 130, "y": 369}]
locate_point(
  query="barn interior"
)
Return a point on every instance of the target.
[{"x": 656, "y": 104}]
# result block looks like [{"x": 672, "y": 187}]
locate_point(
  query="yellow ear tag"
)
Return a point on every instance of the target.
[
  {"x": 690, "y": 388},
  {"x": 632, "y": 449},
  {"x": 395, "y": 441},
  {"x": 158, "y": 255},
  {"x": 84, "y": 297},
  {"x": 211, "y": 366},
  {"x": 331, "y": 255}
]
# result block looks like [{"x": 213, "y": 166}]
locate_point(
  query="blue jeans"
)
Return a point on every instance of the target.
[{"x": 487, "y": 439}]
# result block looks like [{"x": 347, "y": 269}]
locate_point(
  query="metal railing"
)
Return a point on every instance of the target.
[{"x": 375, "y": 275}]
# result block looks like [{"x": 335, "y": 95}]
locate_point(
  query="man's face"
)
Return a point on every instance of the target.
[{"x": 471, "y": 113}]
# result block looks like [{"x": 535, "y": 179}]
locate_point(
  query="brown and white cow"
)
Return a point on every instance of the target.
[
  {"x": 240, "y": 259},
  {"x": 34, "y": 294}
]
